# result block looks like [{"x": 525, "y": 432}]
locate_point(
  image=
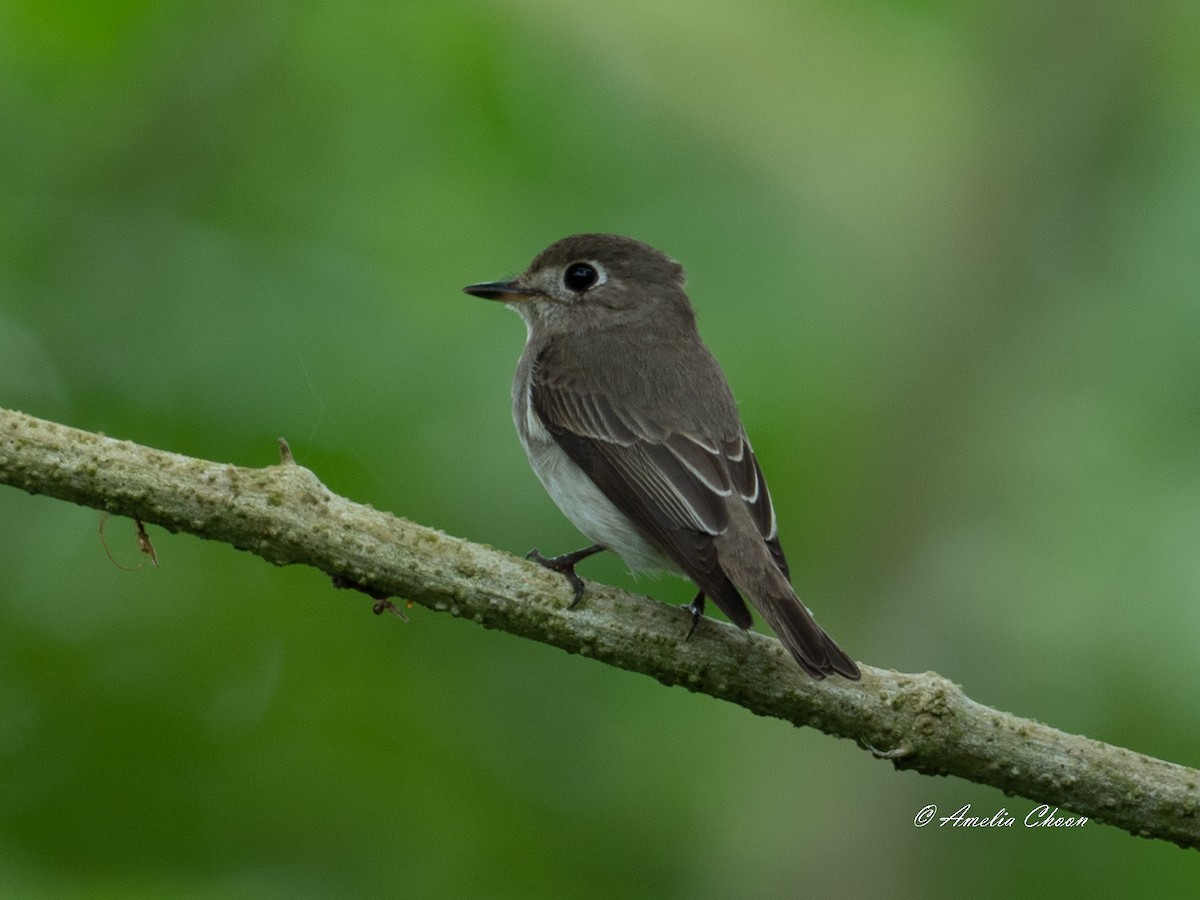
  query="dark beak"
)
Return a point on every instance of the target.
[{"x": 507, "y": 291}]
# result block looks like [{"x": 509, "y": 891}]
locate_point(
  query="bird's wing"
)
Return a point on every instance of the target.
[{"x": 673, "y": 482}]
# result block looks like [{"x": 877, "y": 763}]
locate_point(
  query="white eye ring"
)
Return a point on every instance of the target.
[{"x": 583, "y": 275}]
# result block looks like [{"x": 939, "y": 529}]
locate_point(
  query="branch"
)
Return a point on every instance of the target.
[{"x": 285, "y": 515}]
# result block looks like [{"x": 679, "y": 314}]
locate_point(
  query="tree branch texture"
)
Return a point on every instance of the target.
[{"x": 285, "y": 515}]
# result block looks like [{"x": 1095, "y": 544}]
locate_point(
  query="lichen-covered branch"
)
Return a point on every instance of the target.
[{"x": 285, "y": 515}]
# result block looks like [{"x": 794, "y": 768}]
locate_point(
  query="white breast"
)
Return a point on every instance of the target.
[{"x": 581, "y": 501}]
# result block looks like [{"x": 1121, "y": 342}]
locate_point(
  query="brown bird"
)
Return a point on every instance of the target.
[{"x": 631, "y": 427}]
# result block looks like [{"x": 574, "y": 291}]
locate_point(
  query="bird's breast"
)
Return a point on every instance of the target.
[{"x": 580, "y": 500}]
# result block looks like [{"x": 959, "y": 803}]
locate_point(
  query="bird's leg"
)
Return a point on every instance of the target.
[
  {"x": 565, "y": 564},
  {"x": 696, "y": 608}
]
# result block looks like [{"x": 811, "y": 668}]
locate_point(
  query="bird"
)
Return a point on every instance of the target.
[{"x": 630, "y": 425}]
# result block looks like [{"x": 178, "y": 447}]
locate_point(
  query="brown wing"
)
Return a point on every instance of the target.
[{"x": 673, "y": 484}]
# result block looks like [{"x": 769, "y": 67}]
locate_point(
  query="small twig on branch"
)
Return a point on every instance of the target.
[{"x": 285, "y": 515}]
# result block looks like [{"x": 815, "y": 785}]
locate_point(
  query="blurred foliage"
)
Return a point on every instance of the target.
[{"x": 946, "y": 253}]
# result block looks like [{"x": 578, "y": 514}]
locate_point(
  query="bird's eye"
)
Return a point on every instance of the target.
[{"x": 580, "y": 276}]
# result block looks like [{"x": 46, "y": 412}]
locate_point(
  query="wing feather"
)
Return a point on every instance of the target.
[{"x": 672, "y": 482}]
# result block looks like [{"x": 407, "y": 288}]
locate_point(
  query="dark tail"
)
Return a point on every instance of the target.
[
  {"x": 816, "y": 651},
  {"x": 768, "y": 591}
]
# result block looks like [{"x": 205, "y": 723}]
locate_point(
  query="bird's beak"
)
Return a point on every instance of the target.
[{"x": 505, "y": 291}]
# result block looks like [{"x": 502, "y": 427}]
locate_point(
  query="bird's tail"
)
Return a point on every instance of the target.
[{"x": 770, "y": 593}]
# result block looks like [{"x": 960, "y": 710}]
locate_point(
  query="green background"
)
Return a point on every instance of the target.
[{"x": 947, "y": 254}]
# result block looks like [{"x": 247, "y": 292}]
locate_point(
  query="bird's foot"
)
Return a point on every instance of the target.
[
  {"x": 565, "y": 565},
  {"x": 696, "y": 608}
]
